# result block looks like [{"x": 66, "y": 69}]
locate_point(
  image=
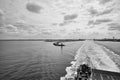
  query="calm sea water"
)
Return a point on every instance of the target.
[{"x": 30, "y": 60}]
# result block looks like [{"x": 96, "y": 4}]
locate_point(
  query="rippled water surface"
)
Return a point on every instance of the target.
[{"x": 30, "y": 60}]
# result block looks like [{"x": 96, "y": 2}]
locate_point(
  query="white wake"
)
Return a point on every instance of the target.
[{"x": 96, "y": 56}]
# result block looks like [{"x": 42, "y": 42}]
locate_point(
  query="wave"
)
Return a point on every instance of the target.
[{"x": 96, "y": 56}]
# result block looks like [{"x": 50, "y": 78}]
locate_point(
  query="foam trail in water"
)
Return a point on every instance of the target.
[
  {"x": 71, "y": 70},
  {"x": 95, "y": 56}
]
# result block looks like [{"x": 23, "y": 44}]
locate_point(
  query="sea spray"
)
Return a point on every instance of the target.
[
  {"x": 94, "y": 55},
  {"x": 100, "y": 58},
  {"x": 115, "y": 57},
  {"x": 71, "y": 70}
]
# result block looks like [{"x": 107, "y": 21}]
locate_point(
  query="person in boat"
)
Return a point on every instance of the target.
[{"x": 84, "y": 71}]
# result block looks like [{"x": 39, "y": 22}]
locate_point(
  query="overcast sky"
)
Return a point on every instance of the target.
[{"x": 59, "y": 18}]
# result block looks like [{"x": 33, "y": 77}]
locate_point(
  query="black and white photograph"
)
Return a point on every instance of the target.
[{"x": 59, "y": 39}]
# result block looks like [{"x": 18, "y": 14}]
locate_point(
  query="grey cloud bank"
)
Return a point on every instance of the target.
[
  {"x": 33, "y": 7},
  {"x": 94, "y": 12},
  {"x": 70, "y": 17},
  {"x": 114, "y": 26},
  {"x": 1, "y": 18},
  {"x": 104, "y": 1},
  {"x": 99, "y": 21}
]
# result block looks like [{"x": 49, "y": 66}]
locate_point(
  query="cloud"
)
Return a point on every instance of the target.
[
  {"x": 70, "y": 17},
  {"x": 33, "y": 7},
  {"x": 104, "y": 1},
  {"x": 64, "y": 23},
  {"x": 1, "y": 18},
  {"x": 27, "y": 28},
  {"x": 23, "y": 26},
  {"x": 103, "y": 20},
  {"x": 1, "y": 13},
  {"x": 105, "y": 12},
  {"x": 24, "y": 29},
  {"x": 20, "y": 28},
  {"x": 54, "y": 24},
  {"x": 47, "y": 31},
  {"x": 10, "y": 28},
  {"x": 63, "y": 31},
  {"x": 91, "y": 22},
  {"x": 95, "y": 12},
  {"x": 2, "y": 30},
  {"x": 114, "y": 26},
  {"x": 99, "y": 21}
]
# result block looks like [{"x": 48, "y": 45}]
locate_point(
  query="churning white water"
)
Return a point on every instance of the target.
[{"x": 97, "y": 56}]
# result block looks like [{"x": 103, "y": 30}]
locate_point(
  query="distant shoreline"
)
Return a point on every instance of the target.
[
  {"x": 46, "y": 40},
  {"x": 113, "y": 40},
  {"x": 60, "y": 40}
]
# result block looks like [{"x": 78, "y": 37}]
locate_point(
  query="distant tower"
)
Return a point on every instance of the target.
[{"x": 113, "y": 37}]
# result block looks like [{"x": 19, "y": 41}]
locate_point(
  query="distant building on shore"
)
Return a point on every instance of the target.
[{"x": 113, "y": 37}]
